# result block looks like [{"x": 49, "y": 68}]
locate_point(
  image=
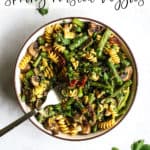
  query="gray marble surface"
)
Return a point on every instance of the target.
[{"x": 16, "y": 24}]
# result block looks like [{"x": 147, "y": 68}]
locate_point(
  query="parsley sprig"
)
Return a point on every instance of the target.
[
  {"x": 138, "y": 145},
  {"x": 43, "y": 11}
]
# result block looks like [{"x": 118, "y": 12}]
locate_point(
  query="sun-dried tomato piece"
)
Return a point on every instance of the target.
[
  {"x": 83, "y": 81},
  {"x": 73, "y": 83}
]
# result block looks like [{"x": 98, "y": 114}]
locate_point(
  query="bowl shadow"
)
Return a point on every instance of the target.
[{"x": 12, "y": 41}]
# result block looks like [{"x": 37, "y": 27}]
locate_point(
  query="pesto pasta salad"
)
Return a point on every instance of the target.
[{"x": 85, "y": 64}]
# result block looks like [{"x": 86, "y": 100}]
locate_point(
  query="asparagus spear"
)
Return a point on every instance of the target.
[
  {"x": 78, "y": 22},
  {"x": 103, "y": 41},
  {"x": 37, "y": 61},
  {"x": 123, "y": 102},
  {"x": 78, "y": 42},
  {"x": 113, "y": 68},
  {"x": 125, "y": 85}
]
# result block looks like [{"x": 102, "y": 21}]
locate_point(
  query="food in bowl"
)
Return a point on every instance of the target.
[{"x": 85, "y": 62}]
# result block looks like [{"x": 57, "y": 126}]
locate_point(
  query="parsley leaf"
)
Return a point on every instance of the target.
[
  {"x": 43, "y": 11},
  {"x": 137, "y": 145},
  {"x": 115, "y": 148},
  {"x": 145, "y": 147}
]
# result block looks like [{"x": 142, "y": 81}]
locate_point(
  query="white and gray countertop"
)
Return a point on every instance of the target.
[{"x": 18, "y": 22}]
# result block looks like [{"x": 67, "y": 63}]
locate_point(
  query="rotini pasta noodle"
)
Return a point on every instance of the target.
[
  {"x": 62, "y": 124},
  {"x": 43, "y": 48},
  {"x": 67, "y": 33},
  {"x": 48, "y": 33},
  {"x": 48, "y": 72},
  {"x": 44, "y": 62},
  {"x": 94, "y": 77},
  {"x": 75, "y": 63},
  {"x": 53, "y": 56},
  {"x": 90, "y": 57},
  {"x": 72, "y": 93},
  {"x": 39, "y": 90},
  {"x": 25, "y": 60},
  {"x": 114, "y": 56},
  {"x": 59, "y": 48},
  {"x": 57, "y": 27},
  {"x": 107, "y": 124}
]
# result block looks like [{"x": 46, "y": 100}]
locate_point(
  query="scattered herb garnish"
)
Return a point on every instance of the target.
[
  {"x": 43, "y": 11},
  {"x": 138, "y": 145}
]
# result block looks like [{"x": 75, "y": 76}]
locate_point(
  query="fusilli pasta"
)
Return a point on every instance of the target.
[
  {"x": 25, "y": 60},
  {"x": 107, "y": 124}
]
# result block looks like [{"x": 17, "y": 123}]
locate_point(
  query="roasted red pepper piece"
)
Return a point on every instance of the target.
[
  {"x": 83, "y": 81},
  {"x": 73, "y": 83}
]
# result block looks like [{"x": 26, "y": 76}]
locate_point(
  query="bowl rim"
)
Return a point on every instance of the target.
[{"x": 129, "y": 50}]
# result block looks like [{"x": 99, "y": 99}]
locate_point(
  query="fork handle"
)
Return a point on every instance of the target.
[{"x": 16, "y": 122}]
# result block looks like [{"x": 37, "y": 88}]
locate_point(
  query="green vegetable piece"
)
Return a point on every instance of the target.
[
  {"x": 78, "y": 29},
  {"x": 106, "y": 77},
  {"x": 41, "y": 40},
  {"x": 91, "y": 98},
  {"x": 37, "y": 61},
  {"x": 78, "y": 22},
  {"x": 114, "y": 70},
  {"x": 78, "y": 105},
  {"x": 125, "y": 85},
  {"x": 125, "y": 62},
  {"x": 49, "y": 111},
  {"x": 99, "y": 85},
  {"x": 123, "y": 102},
  {"x": 43, "y": 54},
  {"x": 78, "y": 42},
  {"x": 145, "y": 147},
  {"x": 80, "y": 92},
  {"x": 65, "y": 41},
  {"x": 29, "y": 74},
  {"x": 68, "y": 112},
  {"x": 40, "y": 118},
  {"x": 103, "y": 41},
  {"x": 57, "y": 107},
  {"x": 66, "y": 54},
  {"x": 58, "y": 37},
  {"x": 94, "y": 35},
  {"x": 43, "y": 11},
  {"x": 69, "y": 102},
  {"x": 137, "y": 145},
  {"x": 95, "y": 128},
  {"x": 87, "y": 43},
  {"x": 115, "y": 148}
]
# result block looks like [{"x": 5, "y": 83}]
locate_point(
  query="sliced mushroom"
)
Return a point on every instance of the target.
[
  {"x": 86, "y": 129},
  {"x": 52, "y": 125},
  {"x": 35, "y": 81},
  {"x": 93, "y": 27},
  {"x": 38, "y": 103},
  {"x": 127, "y": 74},
  {"x": 32, "y": 50}
]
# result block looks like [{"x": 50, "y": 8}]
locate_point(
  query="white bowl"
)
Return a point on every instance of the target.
[{"x": 26, "y": 109}]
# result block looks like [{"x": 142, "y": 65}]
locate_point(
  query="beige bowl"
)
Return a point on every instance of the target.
[{"x": 26, "y": 109}]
